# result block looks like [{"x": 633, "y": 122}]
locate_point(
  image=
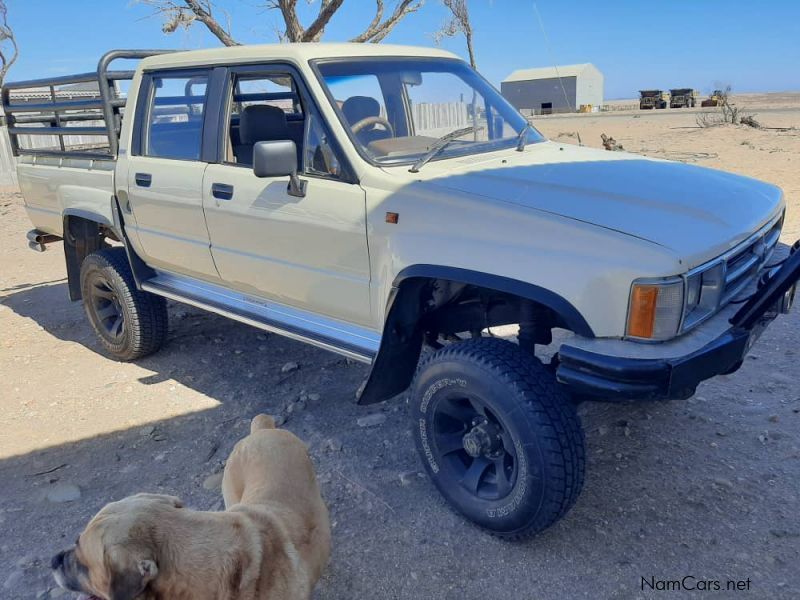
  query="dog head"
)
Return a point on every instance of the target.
[{"x": 116, "y": 557}]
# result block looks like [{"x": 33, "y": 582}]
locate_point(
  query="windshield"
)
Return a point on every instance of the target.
[{"x": 397, "y": 110}]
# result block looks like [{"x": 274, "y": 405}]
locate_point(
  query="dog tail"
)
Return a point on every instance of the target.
[{"x": 262, "y": 422}]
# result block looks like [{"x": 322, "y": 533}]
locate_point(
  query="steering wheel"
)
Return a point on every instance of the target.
[{"x": 376, "y": 120}]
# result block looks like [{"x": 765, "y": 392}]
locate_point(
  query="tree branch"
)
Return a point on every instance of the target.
[
  {"x": 184, "y": 13},
  {"x": 203, "y": 14},
  {"x": 326, "y": 11},
  {"x": 376, "y": 32},
  {"x": 6, "y": 35},
  {"x": 459, "y": 23},
  {"x": 372, "y": 28}
]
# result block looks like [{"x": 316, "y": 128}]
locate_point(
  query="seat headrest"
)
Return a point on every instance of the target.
[
  {"x": 262, "y": 122},
  {"x": 356, "y": 108}
]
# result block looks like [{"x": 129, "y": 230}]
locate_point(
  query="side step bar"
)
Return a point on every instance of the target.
[
  {"x": 349, "y": 340},
  {"x": 37, "y": 239}
]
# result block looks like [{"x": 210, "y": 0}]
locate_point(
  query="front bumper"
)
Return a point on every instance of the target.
[{"x": 619, "y": 377}]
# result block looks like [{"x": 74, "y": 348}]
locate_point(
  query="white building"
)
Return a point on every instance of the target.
[{"x": 554, "y": 89}]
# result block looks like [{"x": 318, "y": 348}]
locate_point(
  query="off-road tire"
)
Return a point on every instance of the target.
[
  {"x": 529, "y": 406},
  {"x": 109, "y": 292}
]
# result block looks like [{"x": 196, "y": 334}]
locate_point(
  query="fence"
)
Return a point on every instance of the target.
[
  {"x": 8, "y": 163},
  {"x": 8, "y": 171},
  {"x": 440, "y": 118}
]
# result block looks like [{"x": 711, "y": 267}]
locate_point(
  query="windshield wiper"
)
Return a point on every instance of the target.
[
  {"x": 522, "y": 138},
  {"x": 440, "y": 145}
]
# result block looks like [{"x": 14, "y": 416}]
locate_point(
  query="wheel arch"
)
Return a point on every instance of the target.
[
  {"x": 85, "y": 232},
  {"x": 401, "y": 343}
]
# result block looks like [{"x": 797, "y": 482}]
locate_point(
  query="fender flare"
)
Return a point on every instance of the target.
[
  {"x": 88, "y": 216},
  {"x": 89, "y": 239},
  {"x": 401, "y": 342}
]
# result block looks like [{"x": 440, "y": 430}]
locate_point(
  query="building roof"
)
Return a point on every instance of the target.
[
  {"x": 295, "y": 52},
  {"x": 549, "y": 72}
]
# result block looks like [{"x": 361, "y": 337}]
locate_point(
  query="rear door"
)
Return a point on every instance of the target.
[
  {"x": 311, "y": 252},
  {"x": 165, "y": 171}
]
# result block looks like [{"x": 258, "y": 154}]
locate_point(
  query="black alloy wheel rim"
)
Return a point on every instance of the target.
[
  {"x": 107, "y": 309},
  {"x": 474, "y": 447}
]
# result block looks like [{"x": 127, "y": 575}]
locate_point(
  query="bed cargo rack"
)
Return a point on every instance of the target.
[{"x": 57, "y": 116}]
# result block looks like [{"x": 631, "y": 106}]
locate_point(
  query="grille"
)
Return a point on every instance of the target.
[{"x": 744, "y": 262}]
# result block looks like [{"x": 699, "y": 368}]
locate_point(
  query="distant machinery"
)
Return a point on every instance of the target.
[
  {"x": 714, "y": 99},
  {"x": 650, "y": 99},
  {"x": 682, "y": 98}
]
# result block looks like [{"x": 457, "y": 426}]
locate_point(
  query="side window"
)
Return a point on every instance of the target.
[
  {"x": 266, "y": 107},
  {"x": 175, "y": 116},
  {"x": 263, "y": 108}
]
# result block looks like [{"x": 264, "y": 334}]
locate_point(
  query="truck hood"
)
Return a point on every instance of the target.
[{"x": 696, "y": 212}]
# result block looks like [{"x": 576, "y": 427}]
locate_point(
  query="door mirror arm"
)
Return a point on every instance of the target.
[{"x": 297, "y": 186}]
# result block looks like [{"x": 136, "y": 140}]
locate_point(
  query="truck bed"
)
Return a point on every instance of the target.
[
  {"x": 64, "y": 132},
  {"x": 53, "y": 186}
]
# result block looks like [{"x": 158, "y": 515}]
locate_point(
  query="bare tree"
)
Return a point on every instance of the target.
[
  {"x": 8, "y": 43},
  {"x": 458, "y": 23},
  {"x": 185, "y": 13},
  {"x": 729, "y": 113}
]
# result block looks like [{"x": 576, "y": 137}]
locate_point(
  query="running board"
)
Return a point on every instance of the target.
[{"x": 349, "y": 340}]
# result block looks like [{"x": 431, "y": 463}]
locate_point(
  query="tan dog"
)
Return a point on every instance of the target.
[{"x": 272, "y": 542}]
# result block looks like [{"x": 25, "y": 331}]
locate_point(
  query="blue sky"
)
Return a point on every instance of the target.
[{"x": 753, "y": 46}]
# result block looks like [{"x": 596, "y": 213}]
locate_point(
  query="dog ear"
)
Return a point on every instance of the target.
[{"x": 129, "y": 584}]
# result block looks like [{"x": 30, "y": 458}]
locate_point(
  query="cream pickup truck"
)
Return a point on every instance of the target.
[{"x": 388, "y": 204}]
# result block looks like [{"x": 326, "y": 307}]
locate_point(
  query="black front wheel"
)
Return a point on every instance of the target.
[
  {"x": 498, "y": 436},
  {"x": 128, "y": 322}
]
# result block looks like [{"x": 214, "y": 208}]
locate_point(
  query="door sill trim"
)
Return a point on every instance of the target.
[{"x": 352, "y": 341}]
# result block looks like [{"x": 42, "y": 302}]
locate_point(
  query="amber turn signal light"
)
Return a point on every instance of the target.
[{"x": 642, "y": 312}]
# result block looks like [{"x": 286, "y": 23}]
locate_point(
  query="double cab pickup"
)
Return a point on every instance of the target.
[{"x": 388, "y": 204}]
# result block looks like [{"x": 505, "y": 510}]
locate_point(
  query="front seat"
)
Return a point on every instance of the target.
[
  {"x": 357, "y": 108},
  {"x": 259, "y": 123}
]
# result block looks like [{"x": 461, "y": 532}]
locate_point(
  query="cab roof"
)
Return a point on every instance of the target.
[{"x": 296, "y": 52}]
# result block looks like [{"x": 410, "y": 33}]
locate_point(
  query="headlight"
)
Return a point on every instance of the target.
[
  {"x": 660, "y": 309},
  {"x": 703, "y": 294},
  {"x": 656, "y": 308}
]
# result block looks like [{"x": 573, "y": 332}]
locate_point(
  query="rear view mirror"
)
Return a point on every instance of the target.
[
  {"x": 278, "y": 159},
  {"x": 411, "y": 78}
]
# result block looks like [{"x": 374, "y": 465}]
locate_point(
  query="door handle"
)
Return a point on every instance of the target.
[
  {"x": 143, "y": 179},
  {"x": 222, "y": 191}
]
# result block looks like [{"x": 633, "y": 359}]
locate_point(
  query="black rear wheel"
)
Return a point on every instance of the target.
[
  {"x": 498, "y": 436},
  {"x": 129, "y": 323}
]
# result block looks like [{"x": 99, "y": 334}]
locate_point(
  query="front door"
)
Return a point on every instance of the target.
[
  {"x": 306, "y": 252},
  {"x": 165, "y": 174}
]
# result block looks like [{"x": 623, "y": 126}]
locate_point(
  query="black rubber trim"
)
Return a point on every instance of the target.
[
  {"x": 140, "y": 271},
  {"x": 401, "y": 342},
  {"x": 572, "y": 319}
]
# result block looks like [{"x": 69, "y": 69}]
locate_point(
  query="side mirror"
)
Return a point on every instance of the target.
[{"x": 278, "y": 159}]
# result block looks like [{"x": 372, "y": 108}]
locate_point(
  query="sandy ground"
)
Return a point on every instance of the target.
[{"x": 706, "y": 487}]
